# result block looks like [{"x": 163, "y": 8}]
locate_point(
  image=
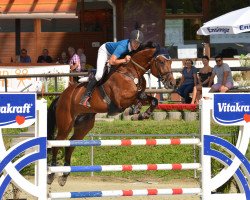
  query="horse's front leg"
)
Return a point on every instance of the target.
[{"x": 145, "y": 99}]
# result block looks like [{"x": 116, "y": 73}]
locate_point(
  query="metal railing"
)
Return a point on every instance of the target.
[{"x": 84, "y": 74}]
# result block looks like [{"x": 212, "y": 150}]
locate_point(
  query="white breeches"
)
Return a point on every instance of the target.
[{"x": 103, "y": 56}]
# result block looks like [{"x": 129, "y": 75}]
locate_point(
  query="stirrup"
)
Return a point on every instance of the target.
[{"x": 85, "y": 102}]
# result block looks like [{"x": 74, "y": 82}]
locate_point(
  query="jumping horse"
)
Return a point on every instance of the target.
[{"x": 124, "y": 87}]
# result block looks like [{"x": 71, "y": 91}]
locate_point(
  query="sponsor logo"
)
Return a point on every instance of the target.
[
  {"x": 245, "y": 27},
  {"x": 232, "y": 109},
  {"x": 17, "y": 110},
  {"x": 218, "y": 30}
]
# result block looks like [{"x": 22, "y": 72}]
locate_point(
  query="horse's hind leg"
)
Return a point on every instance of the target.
[{"x": 83, "y": 125}]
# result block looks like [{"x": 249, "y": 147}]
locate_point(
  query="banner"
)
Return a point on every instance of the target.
[
  {"x": 231, "y": 109},
  {"x": 32, "y": 84},
  {"x": 17, "y": 110}
]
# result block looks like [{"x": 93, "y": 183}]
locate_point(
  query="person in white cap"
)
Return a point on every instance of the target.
[{"x": 115, "y": 53}]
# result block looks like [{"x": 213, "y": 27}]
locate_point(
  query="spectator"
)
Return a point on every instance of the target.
[
  {"x": 63, "y": 59},
  {"x": 44, "y": 58},
  {"x": 224, "y": 76},
  {"x": 188, "y": 81},
  {"x": 204, "y": 76},
  {"x": 80, "y": 53},
  {"x": 24, "y": 57},
  {"x": 74, "y": 63}
]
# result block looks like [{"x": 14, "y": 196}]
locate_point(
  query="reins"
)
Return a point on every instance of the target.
[{"x": 135, "y": 63}]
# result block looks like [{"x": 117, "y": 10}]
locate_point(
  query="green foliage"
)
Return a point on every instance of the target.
[{"x": 51, "y": 88}]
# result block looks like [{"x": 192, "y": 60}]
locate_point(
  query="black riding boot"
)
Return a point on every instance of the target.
[{"x": 90, "y": 87}]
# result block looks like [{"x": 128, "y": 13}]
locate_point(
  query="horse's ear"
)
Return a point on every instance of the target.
[
  {"x": 158, "y": 49},
  {"x": 162, "y": 51}
]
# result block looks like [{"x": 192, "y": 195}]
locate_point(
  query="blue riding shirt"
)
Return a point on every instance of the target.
[{"x": 119, "y": 48}]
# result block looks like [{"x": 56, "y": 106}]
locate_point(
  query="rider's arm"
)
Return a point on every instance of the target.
[{"x": 115, "y": 61}]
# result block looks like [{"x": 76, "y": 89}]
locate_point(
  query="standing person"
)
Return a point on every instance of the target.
[
  {"x": 80, "y": 53},
  {"x": 188, "y": 81},
  {"x": 224, "y": 76},
  {"x": 44, "y": 58},
  {"x": 24, "y": 57},
  {"x": 204, "y": 76},
  {"x": 112, "y": 52},
  {"x": 74, "y": 63}
]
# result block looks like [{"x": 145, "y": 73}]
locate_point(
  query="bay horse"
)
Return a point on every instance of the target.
[{"x": 125, "y": 86}]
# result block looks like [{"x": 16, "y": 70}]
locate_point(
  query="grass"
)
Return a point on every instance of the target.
[{"x": 144, "y": 154}]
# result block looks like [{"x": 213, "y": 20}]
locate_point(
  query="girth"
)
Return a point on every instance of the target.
[{"x": 113, "y": 109}]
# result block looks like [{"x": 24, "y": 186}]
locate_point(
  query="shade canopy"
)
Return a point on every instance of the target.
[
  {"x": 234, "y": 22},
  {"x": 27, "y": 9}
]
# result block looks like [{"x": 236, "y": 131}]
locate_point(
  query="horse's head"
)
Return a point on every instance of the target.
[{"x": 161, "y": 67}]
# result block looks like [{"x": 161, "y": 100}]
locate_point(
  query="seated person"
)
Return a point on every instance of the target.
[
  {"x": 188, "y": 81},
  {"x": 203, "y": 79},
  {"x": 44, "y": 58},
  {"x": 63, "y": 59},
  {"x": 24, "y": 57},
  {"x": 224, "y": 76}
]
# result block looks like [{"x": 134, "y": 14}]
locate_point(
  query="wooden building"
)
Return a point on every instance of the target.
[{"x": 58, "y": 24}]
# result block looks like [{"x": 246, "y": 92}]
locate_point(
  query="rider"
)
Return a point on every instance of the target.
[{"x": 112, "y": 52}]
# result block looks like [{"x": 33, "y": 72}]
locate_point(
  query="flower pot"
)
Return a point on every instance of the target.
[
  {"x": 159, "y": 116},
  {"x": 174, "y": 115},
  {"x": 190, "y": 116}
]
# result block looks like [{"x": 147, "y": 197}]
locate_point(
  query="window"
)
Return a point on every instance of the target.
[
  {"x": 221, "y": 7},
  {"x": 61, "y": 25},
  {"x": 179, "y": 32},
  {"x": 183, "y": 6},
  {"x": 8, "y": 25}
]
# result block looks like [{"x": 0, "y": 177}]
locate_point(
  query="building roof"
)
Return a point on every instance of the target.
[{"x": 25, "y": 9}]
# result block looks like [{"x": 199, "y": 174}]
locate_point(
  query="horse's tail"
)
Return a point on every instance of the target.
[{"x": 51, "y": 119}]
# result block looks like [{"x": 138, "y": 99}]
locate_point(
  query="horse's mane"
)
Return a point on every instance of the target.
[{"x": 149, "y": 45}]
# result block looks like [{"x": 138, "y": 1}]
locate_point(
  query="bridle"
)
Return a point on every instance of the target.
[{"x": 158, "y": 67}]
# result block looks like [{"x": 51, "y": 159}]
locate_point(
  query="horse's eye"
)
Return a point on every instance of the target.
[{"x": 162, "y": 62}]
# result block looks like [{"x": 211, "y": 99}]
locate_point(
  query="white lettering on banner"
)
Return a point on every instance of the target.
[
  {"x": 227, "y": 107},
  {"x": 217, "y": 30},
  {"x": 244, "y": 27},
  {"x": 16, "y": 109}
]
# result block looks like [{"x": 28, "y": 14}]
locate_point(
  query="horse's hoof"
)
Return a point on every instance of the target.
[
  {"x": 135, "y": 117},
  {"x": 62, "y": 180},
  {"x": 127, "y": 112},
  {"x": 50, "y": 178}
]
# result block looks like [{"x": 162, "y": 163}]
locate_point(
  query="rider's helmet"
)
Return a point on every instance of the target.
[{"x": 136, "y": 35}]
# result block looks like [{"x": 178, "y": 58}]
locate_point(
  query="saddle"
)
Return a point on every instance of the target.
[{"x": 108, "y": 70}]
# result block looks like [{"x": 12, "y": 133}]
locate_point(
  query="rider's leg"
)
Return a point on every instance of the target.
[
  {"x": 90, "y": 87},
  {"x": 103, "y": 56}
]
